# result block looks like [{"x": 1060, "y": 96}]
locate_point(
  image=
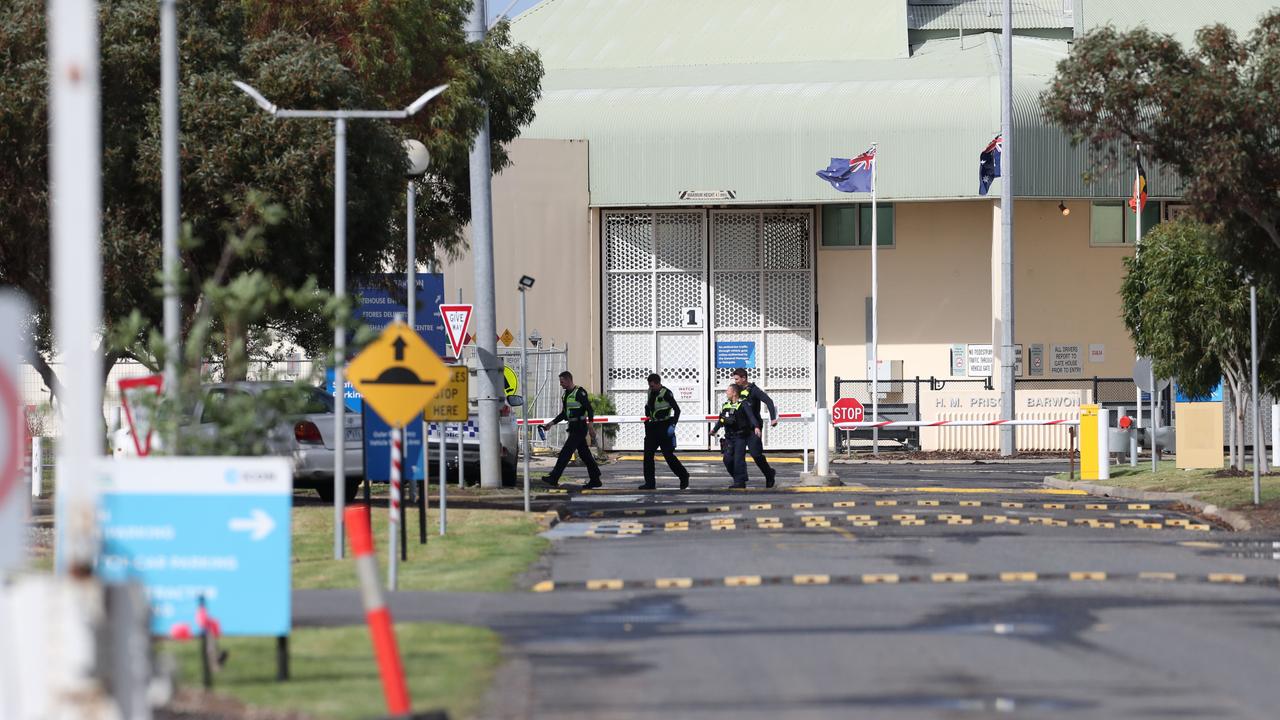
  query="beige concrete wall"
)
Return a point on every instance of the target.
[
  {"x": 936, "y": 289},
  {"x": 542, "y": 227}
]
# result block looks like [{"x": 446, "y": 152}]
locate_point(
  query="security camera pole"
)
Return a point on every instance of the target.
[
  {"x": 339, "y": 118},
  {"x": 526, "y": 284}
]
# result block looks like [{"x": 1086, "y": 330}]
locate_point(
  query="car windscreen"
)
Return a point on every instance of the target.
[{"x": 317, "y": 402}]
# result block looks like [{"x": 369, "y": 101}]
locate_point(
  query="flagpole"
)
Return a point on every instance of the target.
[
  {"x": 1137, "y": 244},
  {"x": 875, "y": 309}
]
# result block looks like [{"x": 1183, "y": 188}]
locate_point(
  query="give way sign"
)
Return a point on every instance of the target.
[
  {"x": 847, "y": 410},
  {"x": 14, "y": 316},
  {"x": 456, "y": 319}
]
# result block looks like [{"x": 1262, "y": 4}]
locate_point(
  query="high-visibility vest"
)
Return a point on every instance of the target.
[
  {"x": 573, "y": 408},
  {"x": 662, "y": 408}
]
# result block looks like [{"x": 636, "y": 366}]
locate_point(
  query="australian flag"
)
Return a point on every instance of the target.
[
  {"x": 989, "y": 164},
  {"x": 850, "y": 175}
]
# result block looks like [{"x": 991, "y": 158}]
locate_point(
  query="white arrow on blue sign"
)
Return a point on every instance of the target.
[{"x": 187, "y": 528}]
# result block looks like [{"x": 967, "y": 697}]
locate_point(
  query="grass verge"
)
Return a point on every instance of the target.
[
  {"x": 1234, "y": 492},
  {"x": 333, "y": 674},
  {"x": 483, "y": 550}
]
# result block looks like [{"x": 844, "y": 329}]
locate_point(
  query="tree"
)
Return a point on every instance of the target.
[
  {"x": 1188, "y": 310},
  {"x": 235, "y": 159},
  {"x": 1209, "y": 112}
]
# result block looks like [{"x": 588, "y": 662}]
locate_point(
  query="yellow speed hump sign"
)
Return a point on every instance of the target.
[
  {"x": 450, "y": 405},
  {"x": 510, "y": 383},
  {"x": 398, "y": 374}
]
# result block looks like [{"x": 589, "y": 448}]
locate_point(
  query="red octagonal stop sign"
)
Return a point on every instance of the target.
[{"x": 847, "y": 410}]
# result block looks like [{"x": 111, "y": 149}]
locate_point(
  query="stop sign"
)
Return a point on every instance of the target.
[{"x": 847, "y": 410}]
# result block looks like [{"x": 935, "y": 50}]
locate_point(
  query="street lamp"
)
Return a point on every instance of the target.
[
  {"x": 339, "y": 118},
  {"x": 419, "y": 160},
  {"x": 526, "y": 283}
]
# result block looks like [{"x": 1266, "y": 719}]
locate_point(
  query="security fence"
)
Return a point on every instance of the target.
[{"x": 543, "y": 393}]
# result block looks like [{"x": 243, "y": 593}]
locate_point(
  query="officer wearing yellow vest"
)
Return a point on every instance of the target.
[
  {"x": 577, "y": 412},
  {"x": 740, "y": 422},
  {"x": 752, "y": 395},
  {"x": 661, "y": 413}
]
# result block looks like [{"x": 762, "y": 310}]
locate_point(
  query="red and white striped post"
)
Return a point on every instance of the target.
[
  {"x": 393, "y": 508},
  {"x": 377, "y": 614}
]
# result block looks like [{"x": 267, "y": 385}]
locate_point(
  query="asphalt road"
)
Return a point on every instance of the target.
[{"x": 960, "y": 591}]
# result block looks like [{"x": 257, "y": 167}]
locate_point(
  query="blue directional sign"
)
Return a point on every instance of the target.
[
  {"x": 382, "y": 297},
  {"x": 192, "y": 528}
]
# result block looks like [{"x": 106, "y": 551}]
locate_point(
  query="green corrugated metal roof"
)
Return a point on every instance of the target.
[
  {"x": 764, "y": 130},
  {"x": 635, "y": 33},
  {"x": 1180, "y": 18},
  {"x": 986, "y": 14}
]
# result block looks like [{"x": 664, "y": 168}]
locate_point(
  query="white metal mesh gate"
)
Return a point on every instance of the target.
[
  {"x": 761, "y": 290},
  {"x": 762, "y": 287},
  {"x": 655, "y": 266}
]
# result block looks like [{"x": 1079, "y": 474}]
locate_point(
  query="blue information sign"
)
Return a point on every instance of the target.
[
  {"x": 193, "y": 528},
  {"x": 382, "y": 297},
  {"x": 736, "y": 354},
  {"x": 377, "y": 448}
]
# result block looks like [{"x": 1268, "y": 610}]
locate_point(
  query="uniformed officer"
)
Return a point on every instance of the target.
[
  {"x": 576, "y": 411},
  {"x": 662, "y": 413},
  {"x": 754, "y": 396},
  {"x": 740, "y": 422}
]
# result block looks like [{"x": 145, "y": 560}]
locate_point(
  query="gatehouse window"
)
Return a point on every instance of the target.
[
  {"x": 850, "y": 225},
  {"x": 1111, "y": 222}
]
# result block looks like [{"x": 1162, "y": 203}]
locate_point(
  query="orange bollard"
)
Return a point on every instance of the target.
[{"x": 376, "y": 613}]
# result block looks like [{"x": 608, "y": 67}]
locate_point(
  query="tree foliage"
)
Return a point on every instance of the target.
[
  {"x": 1211, "y": 112},
  {"x": 236, "y": 160},
  {"x": 1188, "y": 310}
]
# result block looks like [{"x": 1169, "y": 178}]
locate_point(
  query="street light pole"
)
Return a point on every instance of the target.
[
  {"x": 170, "y": 201},
  {"x": 524, "y": 382},
  {"x": 339, "y": 118},
  {"x": 1259, "y": 447},
  {"x": 1008, "y": 353}
]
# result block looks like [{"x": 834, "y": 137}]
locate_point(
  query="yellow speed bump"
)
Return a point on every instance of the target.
[
  {"x": 802, "y": 506},
  {"x": 970, "y": 503},
  {"x": 1164, "y": 576},
  {"x": 880, "y": 578},
  {"x": 544, "y": 586},
  {"x": 605, "y": 584},
  {"x": 1139, "y": 506},
  {"x": 672, "y": 583},
  {"x": 904, "y": 516},
  {"x": 1010, "y": 504},
  {"x": 1226, "y": 578},
  {"x": 677, "y": 525},
  {"x": 845, "y": 504},
  {"x": 742, "y": 580},
  {"x": 811, "y": 579},
  {"x": 1087, "y": 576},
  {"x": 1095, "y": 506},
  {"x": 1054, "y": 506},
  {"x": 950, "y": 577},
  {"x": 927, "y": 503},
  {"x": 911, "y": 523},
  {"x": 1010, "y": 577},
  {"x": 761, "y": 506},
  {"x": 886, "y": 503}
]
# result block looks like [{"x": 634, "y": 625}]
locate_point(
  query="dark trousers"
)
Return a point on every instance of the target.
[
  {"x": 658, "y": 435},
  {"x": 575, "y": 443},
  {"x": 756, "y": 447},
  {"x": 734, "y": 451}
]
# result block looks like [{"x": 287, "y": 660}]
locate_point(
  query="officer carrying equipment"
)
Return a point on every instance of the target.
[{"x": 577, "y": 412}]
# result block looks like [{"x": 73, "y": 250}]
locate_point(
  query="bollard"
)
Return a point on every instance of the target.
[
  {"x": 1104, "y": 444},
  {"x": 377, "y": 614},
  {"x": 805, "y": 459},
  {"x": 393, "y": 508},
  {"x": 37, "y": 466},
  {"x": 820, "y": 423}
]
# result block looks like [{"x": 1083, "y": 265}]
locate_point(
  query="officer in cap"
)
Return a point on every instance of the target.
[
  {"x": 662, "y": 413},
  {"x": 740, "y": 423},
  {"x": 752, "y": 395}
]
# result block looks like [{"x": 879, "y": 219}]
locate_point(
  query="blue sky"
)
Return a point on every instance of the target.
[{"x": 496, "y": 6}]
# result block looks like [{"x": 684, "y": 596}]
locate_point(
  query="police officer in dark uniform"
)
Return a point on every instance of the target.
[
  {"x": 740, "y": 423},
  {"x": 576, "y": 411},
  {"x": 663, "y": 413},
  {"x": 754, "y": 396}
]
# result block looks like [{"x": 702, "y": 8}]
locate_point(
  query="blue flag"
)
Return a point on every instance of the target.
[
  {"x": 989, "y": 164},
  {"x": 851, "y": 175}
]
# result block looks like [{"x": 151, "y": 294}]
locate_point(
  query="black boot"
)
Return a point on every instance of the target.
[
  {"x": 768, "y": 482},
  {"x": 592, "y": 484},
  {"x": 684, "y": 483},
  {"x": 648, "y": 486}
]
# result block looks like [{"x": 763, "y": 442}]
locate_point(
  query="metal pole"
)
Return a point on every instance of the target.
[
  {"x": 411, "y": 312},
  {"x": 875, "y": 308},
  {"x": 75, "y": 216},
  {"x": 1155, "y": 424},
  {"x": 524, "y": 388},
  {"x": 462, "y": 466},
  {"x": 444, "y": 479},
  {"x": 489, "y": 377},
  {"x": 1275, "y": 436},
  {"x": 1137, "y": 252},
  {"x": 1008, "y": 445},
  {"x": 821, "y": 461},
  {"x": 1104, "y": 444},
  {"x": 339, "y": 332},
  {"x": 1258, "y": 446},
  {"x": 170, "y": 195},
  {"x": 37, "y": 466}
]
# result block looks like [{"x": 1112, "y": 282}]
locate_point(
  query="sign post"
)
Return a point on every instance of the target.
[
  {"x": 397, "y": 374},
  {"x": 450, "y": 405}
]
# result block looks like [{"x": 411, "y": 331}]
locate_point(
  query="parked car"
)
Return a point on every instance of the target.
[
  {"x": 508, "y": 443},
  {"x": 307, "y": 438}
]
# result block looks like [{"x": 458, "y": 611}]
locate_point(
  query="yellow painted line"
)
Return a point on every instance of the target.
[
  {"x": 950, "y": 577},
  {"x": 802, "y": 506},
  {"x": 762, "y": 506},
  {"x": 970, "y": 503},
  {"x": 686, "y": 458},
  {"x": 597, "y": 513},
  {"x": 610, "y": 584},
  {"x": 1139, "y": 506},
  {"x": 1131, "y": 521},
  {"x": 1018, "y": 577},
  {"x": 844, "y": 533},
  {"x": 1085, "y": 576},
  {"x": 1226, "y": 578},
  {"x": 1157, "y": 576},
  {"x": 1011, "y": 504},
  {"x": 934, "y": 490},
  {"x": 879, "y": 578},
  {"x": 845, "y": 503},
  {"x": 811, "y": 579},
  {"x": 927, "y": 503},
  {"x": 742, "y": 580},
  {"x": 670, "y": 583},
  {"x": 677, "y": 525},
  {"x": 1200, "y": 544},
  {"x": 544, "y": 586}
]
